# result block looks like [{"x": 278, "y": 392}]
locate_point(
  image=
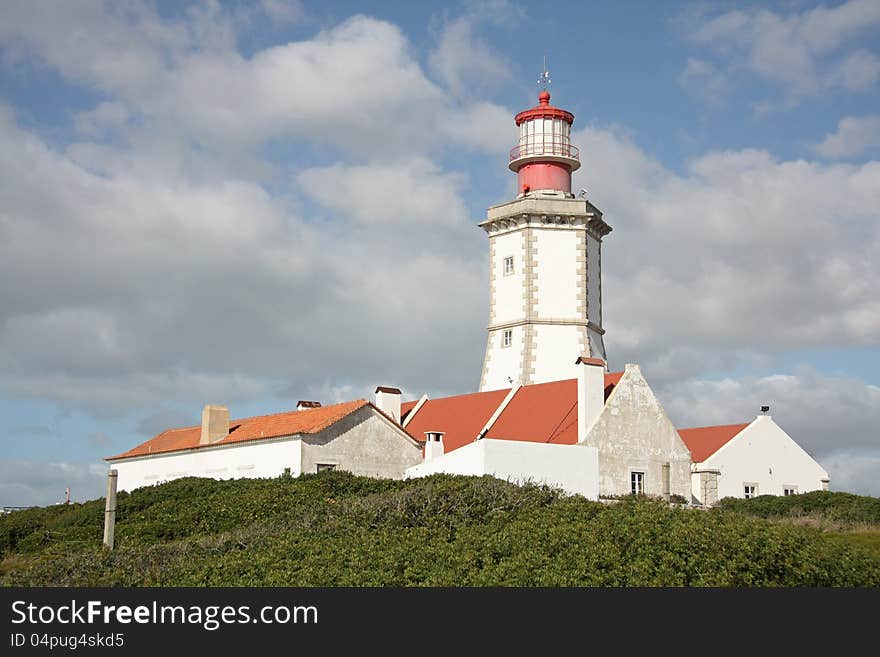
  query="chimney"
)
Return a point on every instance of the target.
[
  {"x": 215, "y": 424},
  {"x": 433, "y": 444},
  {"x": 303, "y": 405},
  {"x": 388, "y": 401},
  {"x": 591, "y": 393}
]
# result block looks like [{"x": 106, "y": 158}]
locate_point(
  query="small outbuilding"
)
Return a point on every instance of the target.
[{"x": 747, "y": 460}]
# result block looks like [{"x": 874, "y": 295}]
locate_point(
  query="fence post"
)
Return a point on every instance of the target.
[{"x": 110, "y": 510}]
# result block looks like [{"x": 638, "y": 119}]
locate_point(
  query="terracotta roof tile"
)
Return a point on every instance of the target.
[
  {"x": 705, "y": 441},
  {"x": 460, "y": 417},
  {"x": 543, "y": 412},
  {"x": 290, "y": 423}
]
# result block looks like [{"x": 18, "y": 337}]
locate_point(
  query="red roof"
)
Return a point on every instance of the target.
[
  {"x": 544, "y": 110},
  {"x": 460, "y": 417},
  {"x": 543, "y": 412},
  {"x": 705, "y": 441},
  {"x": 308, "y": 421}
]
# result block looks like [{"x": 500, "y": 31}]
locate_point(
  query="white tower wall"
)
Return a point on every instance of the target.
[
  {"x": 553, "y": 361},
  {"x": 550, "y": 302},
  {"x": 558, "y": 269},
  {"x": 509, "y": 303}
]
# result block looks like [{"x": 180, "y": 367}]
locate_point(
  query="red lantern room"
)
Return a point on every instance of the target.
[{"x": 544, "y": 157}]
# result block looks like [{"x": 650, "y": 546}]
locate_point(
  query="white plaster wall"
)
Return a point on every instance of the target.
[
  {"x": 572, "y": 468},
  {"x": 556, "y": 264},
  {"x": 594, "y": 306},
  {"x": 266, "y": 458},
  {"x": 764, "y": 454},
  {"x": 508, "y": 289},
  {"x": 696, "y": 495},
  {"x": 504, "y": 361},
  {"x": 556, "y": 349}
]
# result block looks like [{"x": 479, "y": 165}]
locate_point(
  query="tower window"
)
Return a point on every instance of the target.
[
  {"x": 750, "y": 491},
  {"x": 507, "y": 338},
  {"x": 508, "y": 265}
]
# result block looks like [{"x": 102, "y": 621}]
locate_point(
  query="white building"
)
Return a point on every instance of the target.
[
  {"x": 622, "y": 441},
  {"x": 354, "y": 436},
  {"x": 571, "y": 468},
  {"x": 747, "y": 460}
]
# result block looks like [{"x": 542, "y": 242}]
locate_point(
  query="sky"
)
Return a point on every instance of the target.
[{"x": 252, "y": 203}]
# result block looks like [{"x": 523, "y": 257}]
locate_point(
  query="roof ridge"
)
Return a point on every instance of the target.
[
  {"x": 317, "y": 425},
  {"x": 716, "y": 426},
  {"x": 256, "y": 417},
  {"x": 483, "y": 392},
  {"x": 465, "y": 394}
]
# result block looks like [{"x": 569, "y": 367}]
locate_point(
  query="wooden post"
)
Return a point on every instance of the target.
[{"x": 110, "y": 510}]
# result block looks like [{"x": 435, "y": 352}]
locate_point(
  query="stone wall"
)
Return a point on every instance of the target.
[
  {"x": 634, "y": 434},
  {"x": 364, "y": 443}
]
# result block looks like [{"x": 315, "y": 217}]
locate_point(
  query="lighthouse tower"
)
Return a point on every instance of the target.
[{"x": 545, "y": 258}]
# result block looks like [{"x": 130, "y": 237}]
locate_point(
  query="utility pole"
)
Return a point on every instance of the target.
[{"x": 110, "y": 510}]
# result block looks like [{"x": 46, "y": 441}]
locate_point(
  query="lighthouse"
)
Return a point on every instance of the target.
[{"x": 545, "y": 259}]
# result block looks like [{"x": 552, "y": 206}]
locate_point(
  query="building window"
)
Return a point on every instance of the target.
[
  {"x": 507, "y": 338},
  {"x": 750, "y": 491},
  {"x": 508, "y": 265},
  {"x": 325, "y": 467},
  {"x": 637, "y": 483},
  {"x": 789, "y": 490}
]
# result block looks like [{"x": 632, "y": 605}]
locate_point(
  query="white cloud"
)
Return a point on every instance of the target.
[
  {"x": 148, "y": 289},
  {"x": 859, "y": 71},
  {"x": 464, "y": 61},
  {"x": 26, "y": 483},
  {"x": 744, "y": 254},
  {"x": 854, "y": 471},
  {"x": 107, "y": 116},
  {"x": 410, "y": 192},
  {"x": 703, "y": 79},
  {"x": 123, "y": 47},
  {"x": 480, "y": 126},
  {"x": 356, "y": 86},
  {"x": 284, "y": 11},
  {"x": 854, "y": 136},
  {"x": 803, "y": 52}
]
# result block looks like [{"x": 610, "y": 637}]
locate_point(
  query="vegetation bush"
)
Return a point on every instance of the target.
[
  {"x": 334, "y": 529},
  {"x": 841, "y": 507}
]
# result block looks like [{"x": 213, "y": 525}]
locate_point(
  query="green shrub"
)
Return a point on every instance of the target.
[
  {"x": 837, "y": 506},
  {"x": 334, "y": 529}
]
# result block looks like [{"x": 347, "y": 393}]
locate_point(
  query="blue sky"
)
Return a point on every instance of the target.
[{"x": 254, "y": 203}]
